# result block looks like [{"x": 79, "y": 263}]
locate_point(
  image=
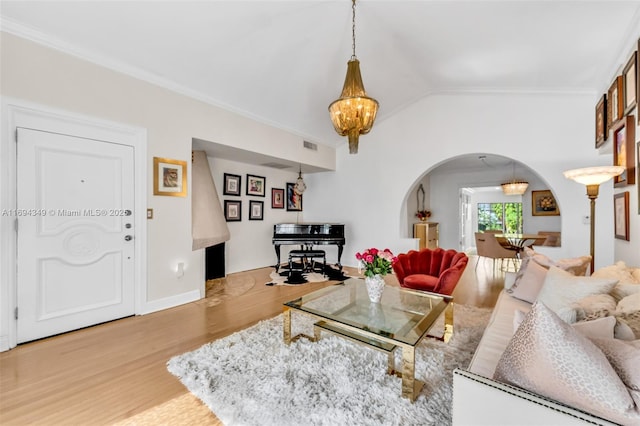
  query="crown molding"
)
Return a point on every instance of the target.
[{"x": 15, "y": 28}]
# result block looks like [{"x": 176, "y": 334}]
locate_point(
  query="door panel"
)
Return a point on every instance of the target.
[{"x": 75, "y": 268}]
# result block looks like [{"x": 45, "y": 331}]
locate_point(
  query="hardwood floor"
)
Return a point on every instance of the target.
[{"x": 111, "y": 372}]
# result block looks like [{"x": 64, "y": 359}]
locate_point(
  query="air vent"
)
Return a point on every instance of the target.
[
  {"x": 310, "y": 145},
  {"x": 276, "y": 165}
]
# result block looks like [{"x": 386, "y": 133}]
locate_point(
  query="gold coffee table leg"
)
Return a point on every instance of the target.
[
  {"x": 410, "y": 386},
  {"x": 448, "y": 323},
  {"x": 286, "y": 325}
]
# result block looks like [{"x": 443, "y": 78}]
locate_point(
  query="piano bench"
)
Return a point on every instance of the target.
[{"x": 306, "y": 258}]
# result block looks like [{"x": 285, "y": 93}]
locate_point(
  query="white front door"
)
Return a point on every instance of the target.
[{"x": 75, "y": 245}]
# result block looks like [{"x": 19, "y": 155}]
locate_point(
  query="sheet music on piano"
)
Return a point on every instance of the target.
[{"x": 308, "y": 234}]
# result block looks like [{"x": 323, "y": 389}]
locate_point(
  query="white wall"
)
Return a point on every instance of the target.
[
  {"x": 549, "y": 133},
  {"x": 47, "y": 77},
  {"x": 250, "y": 245}
]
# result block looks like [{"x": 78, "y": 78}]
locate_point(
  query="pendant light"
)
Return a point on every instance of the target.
[
  {"x": 354, "y": 112},
  {"x": 300, "y": 186},
  {"x": 514, "y": 187}
]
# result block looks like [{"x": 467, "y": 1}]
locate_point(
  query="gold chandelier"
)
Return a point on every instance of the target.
[
  {"x": 354, "y": 112},
  {"x": 514, "y": 187}
]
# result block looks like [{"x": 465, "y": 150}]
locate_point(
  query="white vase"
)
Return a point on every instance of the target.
[{"x": 375, "y": 287}]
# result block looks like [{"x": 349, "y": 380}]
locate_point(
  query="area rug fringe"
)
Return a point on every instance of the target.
[{"x": 252, "y": 378}]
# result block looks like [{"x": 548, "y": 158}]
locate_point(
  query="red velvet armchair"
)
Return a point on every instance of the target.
[{"x": 437, "y": 271}]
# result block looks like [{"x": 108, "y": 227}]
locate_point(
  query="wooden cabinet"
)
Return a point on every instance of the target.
[{"x": 427, "y": 232}]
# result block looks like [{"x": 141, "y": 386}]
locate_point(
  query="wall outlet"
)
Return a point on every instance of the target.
[
  {"x": 586, "y": 219},
  {"x": 149, "y": 213}
]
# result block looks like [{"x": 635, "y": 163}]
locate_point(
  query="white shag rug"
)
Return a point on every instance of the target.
[{"x": 252, "y": 378}]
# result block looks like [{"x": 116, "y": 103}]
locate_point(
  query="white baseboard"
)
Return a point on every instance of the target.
[{"x": 169, "y": 302}]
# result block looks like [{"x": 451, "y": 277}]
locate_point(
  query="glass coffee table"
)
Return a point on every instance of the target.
[{"x": 401, "y": 319}]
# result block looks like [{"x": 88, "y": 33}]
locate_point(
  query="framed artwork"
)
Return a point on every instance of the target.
[
  {"x": 231, "y": 184},
  {"x": 255, "y": 185},
  {"x": 621, "y": 215},
  {"x": 630, "y": 83},
  {"x": 544, "y": 204},
  {"x": 294, "y": 200},
  {"x": 255, "y": 210},
  {"x": 169, "y": 177},
  {"x": 232, "y": 210},
  {"x": 602, "y": 130},
  {"x": 623, "y": 153},
  {"x": 277, "y": 198},
  {"x": 614, "y": 102}
]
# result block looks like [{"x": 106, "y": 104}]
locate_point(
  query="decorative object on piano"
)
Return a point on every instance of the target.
[
  {"x": 277, "y": 198},
  {"x": 231, "y": 184},
  {"x": 376, "y": 264},
  {"x": 623, "y": 139},
  {"x": 255, "y": 210},
  {"x": 629, "y": 83},
  {"x": 300, "y": 186},
  {"x": 354, "y": 112},
  {"x": 602, "y": 131},
  {"x": 169, "y": 177},
  {"x": 294, "y": 200},
  {"x": 256, "y": 185},
  {"x": 543, "y": 204},
  {"x": 422, "y": 213},
  {"x": 232, "y": 210}
]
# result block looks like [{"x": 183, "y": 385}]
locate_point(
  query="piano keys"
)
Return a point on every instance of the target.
[{"x": 308, "y": 234}]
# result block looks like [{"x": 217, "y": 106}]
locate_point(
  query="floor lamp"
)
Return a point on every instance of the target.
[{"x": 592, "y": 177}]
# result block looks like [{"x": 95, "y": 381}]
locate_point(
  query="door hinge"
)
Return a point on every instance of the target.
[{"x": 16, "y": 312}]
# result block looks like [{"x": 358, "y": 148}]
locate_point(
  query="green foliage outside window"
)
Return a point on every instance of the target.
[{"x": 505, "y": 217}]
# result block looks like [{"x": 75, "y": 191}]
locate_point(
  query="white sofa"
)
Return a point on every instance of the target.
[{"x": 479, "y": 400}]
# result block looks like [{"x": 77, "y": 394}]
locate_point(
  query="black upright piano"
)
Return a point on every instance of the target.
[{"x": 308, "y": 234}]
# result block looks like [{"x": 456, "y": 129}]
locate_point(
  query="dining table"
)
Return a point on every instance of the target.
[{"x": 519, "y": 241}]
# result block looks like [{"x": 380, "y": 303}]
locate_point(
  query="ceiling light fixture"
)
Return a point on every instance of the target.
[
  {"x": 514, "y": 187},
  {"x": 300, "y": 186},
  {"x": 354, "y": 112}
]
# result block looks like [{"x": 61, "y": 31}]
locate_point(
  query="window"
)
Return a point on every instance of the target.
[{"x": 505, "y": 217}]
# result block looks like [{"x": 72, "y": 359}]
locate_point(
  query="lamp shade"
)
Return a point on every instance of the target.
[
  {"x": 593, "y": 175},
  {"x": 354, "y": 112}
]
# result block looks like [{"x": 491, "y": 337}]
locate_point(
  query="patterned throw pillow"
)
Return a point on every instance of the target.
[
  {"x": 561, "y": 291},
  {"x": 547, "y": 356}
]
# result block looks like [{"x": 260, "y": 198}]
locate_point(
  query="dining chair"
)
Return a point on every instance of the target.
[{"x": 488, "y": 246}]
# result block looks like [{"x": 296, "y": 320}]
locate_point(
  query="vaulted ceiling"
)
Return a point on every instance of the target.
[{"x": 283, "y": 62}]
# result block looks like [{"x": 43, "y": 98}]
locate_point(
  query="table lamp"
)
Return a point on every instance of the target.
[{"x": 592, "y": 177}]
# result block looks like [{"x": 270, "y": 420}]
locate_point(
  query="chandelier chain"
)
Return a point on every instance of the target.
[{"x": 353, "y": 29}]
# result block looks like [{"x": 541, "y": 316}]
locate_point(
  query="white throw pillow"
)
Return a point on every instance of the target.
[
  {"x": 576, "y": 265},
  {"x": 624, "y": 357},
  {"x": 548, "y": 357},
  {"x": 594, "y": 306},
  {"x": 561, "y": 291},
  {"x": 529, "y": 281},
  {"x": 629, "y": 304}
]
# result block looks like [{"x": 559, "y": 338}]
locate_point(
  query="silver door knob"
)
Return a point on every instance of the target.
[{"x": 128, "y": 237}]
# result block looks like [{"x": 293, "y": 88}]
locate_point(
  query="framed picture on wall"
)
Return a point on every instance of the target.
[
  {"x": 602, "y": 130},
  {"x": 621, "y": 215},
  {"x": 630, "y": 83},
  {"x": 294, "y": 200},
  {"x": 277, "y": 198},
  {"x": 231, "y": 184},
  {"x": 614, "y": 102},
  {"x": 623, "y": 152},
  {"x": 233, "y": 210},
  {"x": 255, "y": 185},
  {"x": 256, "y": 210},
  {"x": 169, "y": 177},
  {"x": 543, "y": 203}
]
